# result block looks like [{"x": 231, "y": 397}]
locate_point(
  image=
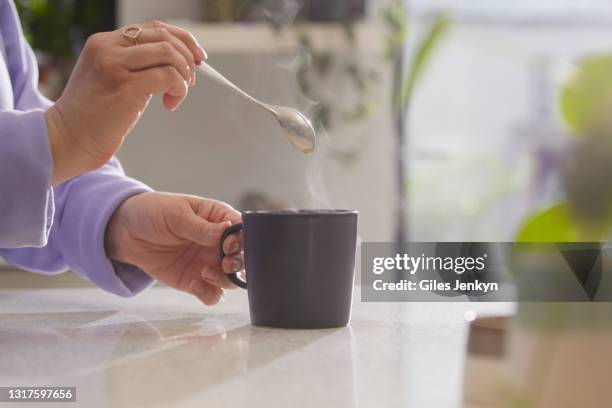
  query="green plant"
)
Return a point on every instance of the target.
[
  {"x": 586, "y": 100},
  {"x": 585, "y": 214},
  {"x": 58, "y": 28},
  {"x": 553, "y": 224},
  {"x": 47, "y": 27},
  {"x": 424, "y": 52},
  {"x": 323, "y": 63},
  {"x": 405, "y": 81}
]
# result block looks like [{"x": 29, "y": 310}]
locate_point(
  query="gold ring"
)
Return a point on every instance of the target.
[{"x": 132, "y": 33}]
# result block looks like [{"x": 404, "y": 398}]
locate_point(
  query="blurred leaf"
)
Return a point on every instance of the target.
[
  {"x": 423, "y": 55},
  {"x": 364, "y": 109},
  {"x": 323, "y": 62},
  {"x": 395, "y": 18},
  {"x": 586, "y": 100},
  {"x": 554, "y": 224},
  {"x": 558, "y": 224}
]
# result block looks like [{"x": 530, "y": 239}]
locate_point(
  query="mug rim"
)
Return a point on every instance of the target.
[{"x": 301, "y": 212}]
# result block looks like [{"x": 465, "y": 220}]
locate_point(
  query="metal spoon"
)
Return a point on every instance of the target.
[{"x": 296, "y": 126}]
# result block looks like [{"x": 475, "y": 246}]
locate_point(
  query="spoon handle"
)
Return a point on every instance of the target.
[{"x": 216, "y": 76}]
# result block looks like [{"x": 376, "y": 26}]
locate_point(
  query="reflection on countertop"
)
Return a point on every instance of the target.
[{"x": 163, "y": 348}]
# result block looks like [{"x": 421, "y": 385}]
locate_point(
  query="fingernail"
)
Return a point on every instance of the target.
[
  {"x": 177, "y": 106},
  {"x": 234, "y": 248},
  {"x": 223, "y": 296},
  {"x": 236, "y": 264},
  {"x": 203, "y": 52}
]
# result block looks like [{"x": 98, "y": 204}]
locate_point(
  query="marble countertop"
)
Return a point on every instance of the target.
[{"x": 163, "y": 348}]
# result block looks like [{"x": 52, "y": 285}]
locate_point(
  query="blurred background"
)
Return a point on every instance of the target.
[{"x": 439, "y": 120}]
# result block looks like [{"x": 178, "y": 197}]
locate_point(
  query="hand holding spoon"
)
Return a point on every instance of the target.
[{"x": 296, "y": 126}]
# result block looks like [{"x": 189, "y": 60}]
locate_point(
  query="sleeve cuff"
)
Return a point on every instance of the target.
[
  {"x": 93, "y": 200},
  {"x": 116, "y": 277}
]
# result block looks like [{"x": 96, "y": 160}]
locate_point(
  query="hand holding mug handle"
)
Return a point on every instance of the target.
[{"x": 233, "y": 277}]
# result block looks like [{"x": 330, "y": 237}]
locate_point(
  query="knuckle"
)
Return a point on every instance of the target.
[
  {"x": 166, "y": 48},
  {"x": 99, "y": 55},
  {"x": 173, "y": 74},
  {"x": 156, "y": 23},
  {"x": 94, "y": 46},
  {"x": 162, "y": 33},
  {"x": 94, "y": 42}
]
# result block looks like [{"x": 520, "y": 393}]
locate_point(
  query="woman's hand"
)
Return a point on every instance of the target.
[
  {"x": 174, "y": 238},
  {"x": 110, "y": 88}
]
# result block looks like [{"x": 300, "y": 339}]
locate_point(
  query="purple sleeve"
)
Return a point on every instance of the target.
[
  {"x": 26, "y": 200},
  {"x": 44, "y": 229},
  {"x": 83, "y": 207}
]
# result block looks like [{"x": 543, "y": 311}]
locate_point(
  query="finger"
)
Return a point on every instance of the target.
[
  {"x": 156, "y": 54},
  {"x": 207, "y": 293},
  {"x": 216, "y": 277},
  {"x": 185, "y": 36},
  {"x": 160, "y": 34},
  {"x": 233, "y": 244},
  {"x": 172, "y": 102},
  {"x": 214, "y": 210},
  {"x": 232, "y": 264},
  {"x": 162, "y": 80},
  {"x": 209, "y": 256},
  {"x": 224, "y": 212},
  {"x": 228, "y": 213},
  {"x": 200, "y": 231}
]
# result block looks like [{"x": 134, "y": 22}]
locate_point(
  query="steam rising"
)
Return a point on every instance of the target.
[
  {"x": 314, "y": 173},
  {"x": 283, "y": 13}
]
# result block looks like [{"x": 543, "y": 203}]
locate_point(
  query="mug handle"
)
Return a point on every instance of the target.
[{"x": 231, "y": 276}]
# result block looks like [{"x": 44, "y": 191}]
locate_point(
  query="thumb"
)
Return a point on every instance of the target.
[{"x": 202, "y": 232}]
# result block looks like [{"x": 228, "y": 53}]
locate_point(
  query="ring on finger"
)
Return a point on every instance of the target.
[{"x": 132, "y": 33}]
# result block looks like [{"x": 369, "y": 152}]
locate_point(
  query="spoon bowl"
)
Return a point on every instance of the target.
[{"x": 297, "y": 128}]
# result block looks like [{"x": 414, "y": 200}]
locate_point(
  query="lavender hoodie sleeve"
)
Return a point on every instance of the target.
[{"x": 51, "y": 229}]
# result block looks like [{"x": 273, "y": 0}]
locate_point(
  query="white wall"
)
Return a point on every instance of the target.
[{"x": 134, "y": 11}]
